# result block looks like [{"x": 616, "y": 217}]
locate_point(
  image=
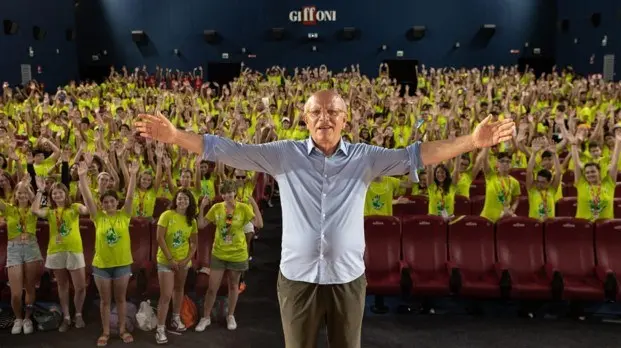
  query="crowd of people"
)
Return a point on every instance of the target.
[{"x": 76, "y": 154}]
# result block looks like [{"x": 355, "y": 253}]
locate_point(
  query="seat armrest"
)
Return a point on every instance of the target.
[
  {"x": 602, "y": 272},
  {"x": 549, "y": 271}
]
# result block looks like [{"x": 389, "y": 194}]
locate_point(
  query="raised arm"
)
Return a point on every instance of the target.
[
  {"x": 85, "y": 189},
  {"x": 260, "y": 157},
  {"x": 129, "y": 197}
]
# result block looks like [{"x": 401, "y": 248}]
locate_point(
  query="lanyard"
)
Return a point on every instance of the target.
[
  {"x": 141, "y": 195},
  {"x": 22, "y": 221},
  {"x": 595, "y": 198},
  {"x": 505, "y": 190},
  {"x": 59, "y": 218},
  {"x": 441, "y": 203}
]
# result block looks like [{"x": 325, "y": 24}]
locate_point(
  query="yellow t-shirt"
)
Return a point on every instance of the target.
[
  {"x": 66, "y": 223},
  {"x": 439, "y": 201},
  {"x": 208, "y": 188},
  {"x": 19, "y": 220},
  {"x": 144, "y": 202},
  {"x": 113, "y": 246},
  {"x": 245, "y": 192},
  {"x": 595, "y": 202},
  {"x": 379, "y": 196},
  {"x": 177, "y": 235},
  {"x": 463, "y": 184},
  {"x": 499, "y": 193},
  {"x": 541, "y": 203},
  {"x": 42, "y": 169},
  {"x": 230, "y": 241}
]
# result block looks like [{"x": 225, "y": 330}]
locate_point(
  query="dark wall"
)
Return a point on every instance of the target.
[
  {"x": 107, "y": 25},
  {"x": 55, "y": 17},
  {"x": 589, "y": 37}
]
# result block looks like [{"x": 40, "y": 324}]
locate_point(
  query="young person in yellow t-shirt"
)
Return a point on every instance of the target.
[
  {"x": 230, "y": 249},
  {"x": 177, "y": 238},
  {"x": 23, "y": 258},
  {"x": 542, "y": 188},
  {"x": 380, "y": 193},
  {"x": 441, "y": 192},
  {"x": 65, "y": 256},
  {"x": 596, "y": 190},
  {"x": 113, "y": 253},
  {"x": 501, "y": 189}
]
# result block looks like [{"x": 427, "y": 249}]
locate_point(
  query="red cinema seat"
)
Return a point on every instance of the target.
[
  {"x": 382, "y": 255},
  {"x": 569, "y": 191},
  {"x": 519, "y": 246},
  {"x": 519, "y": 174},
  {"x": 608, "y": 255},
  {"x": 43, "y": 236},
  {"x": 88, "y": 233},
  {"x": 523, "y": 206},
  {"x": 203, "y": 260},
  {"x": 140, "y": 232},
  {"x": 161, "y": 205},
  {"x": 569, "y": 247},
  {"x": 462, "y": 206},
  {"x": 476, "y": 204},
  {"x": 618, "y": 190},
  {"x": 472, "y": 257},
  {"x": 477, "y": 188},
  {"x": 424, "y": 254},
  {"x": 617, "y": 208},
  {"x": 417, "y": 205},
  {"x": 568, "y": 178},
  {"x": 566, "y": 207}
]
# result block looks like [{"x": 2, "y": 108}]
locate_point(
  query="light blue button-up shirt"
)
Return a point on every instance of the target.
[{"x": 322, "y": 198}]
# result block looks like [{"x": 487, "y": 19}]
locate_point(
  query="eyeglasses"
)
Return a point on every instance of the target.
[
  {"x": 316, "y": 114},
  {"x": 240, "y": 177}
]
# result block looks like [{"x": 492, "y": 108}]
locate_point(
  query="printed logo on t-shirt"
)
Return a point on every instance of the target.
[
  {"x": 112, "y": 237},
  {"x": 177, "y": 239}
]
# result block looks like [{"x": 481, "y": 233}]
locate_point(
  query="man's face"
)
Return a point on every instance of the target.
[{"x": 324, "y": 115}]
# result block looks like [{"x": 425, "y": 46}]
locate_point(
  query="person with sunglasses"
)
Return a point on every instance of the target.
[
  {"x": 321, "y": 180},
  {"x": 233, "y": 220}
]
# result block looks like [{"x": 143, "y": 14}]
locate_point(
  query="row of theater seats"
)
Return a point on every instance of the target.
[
  {"x": 518, "y": 258},
  {"x": 144, "y": 247},
  {"x": 419, "y": 205}
]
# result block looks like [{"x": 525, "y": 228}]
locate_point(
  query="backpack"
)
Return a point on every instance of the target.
[
  {"x": 188, "y": 313},
  {"x": 129, "y": 321},
  {"x": 47, "y": 316}
]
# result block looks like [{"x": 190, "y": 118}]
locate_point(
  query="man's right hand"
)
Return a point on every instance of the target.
[{"x": 156, "y": 127}]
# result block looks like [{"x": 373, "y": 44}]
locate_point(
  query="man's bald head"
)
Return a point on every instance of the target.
[
  {"x": 326, "y": 97},
  {"x": 325, "y": 113}
]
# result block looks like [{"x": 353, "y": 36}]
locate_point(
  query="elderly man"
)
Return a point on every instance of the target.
[{"x": 323, "y": 181}]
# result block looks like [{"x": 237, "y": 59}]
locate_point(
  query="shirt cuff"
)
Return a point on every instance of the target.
[
  {"x": 208, "y": 147},
  {"x": 416, "y": 162}
]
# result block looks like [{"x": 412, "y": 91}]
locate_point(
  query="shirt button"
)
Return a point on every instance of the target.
[
  {"x": 323, "y": 216},
  {"x": 325, "y": 175},
  {"x": 324, "y": 194},
  {"x": 321, "y": 256}
]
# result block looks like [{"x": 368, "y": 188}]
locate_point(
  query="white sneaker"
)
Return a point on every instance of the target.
[
  {"x": 18, "y": 324},
  {"x": 28, "y": 327},
  {"x": 177, "y": 324},
  {"x": 160, "y": 336},
  {"x": 231, "y": 324},
  {"x": 202, "y": 324}
]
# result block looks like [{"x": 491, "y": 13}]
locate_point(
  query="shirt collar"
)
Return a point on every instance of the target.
[{"x": 310, "y": 145}]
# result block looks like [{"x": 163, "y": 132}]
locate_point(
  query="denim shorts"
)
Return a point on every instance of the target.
[
  {"x": 218, "y": 264},
  {"x": 21, "y": 252},
  {"x": 112, "y": 273},
  {"x": 166, "y": 268}
]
